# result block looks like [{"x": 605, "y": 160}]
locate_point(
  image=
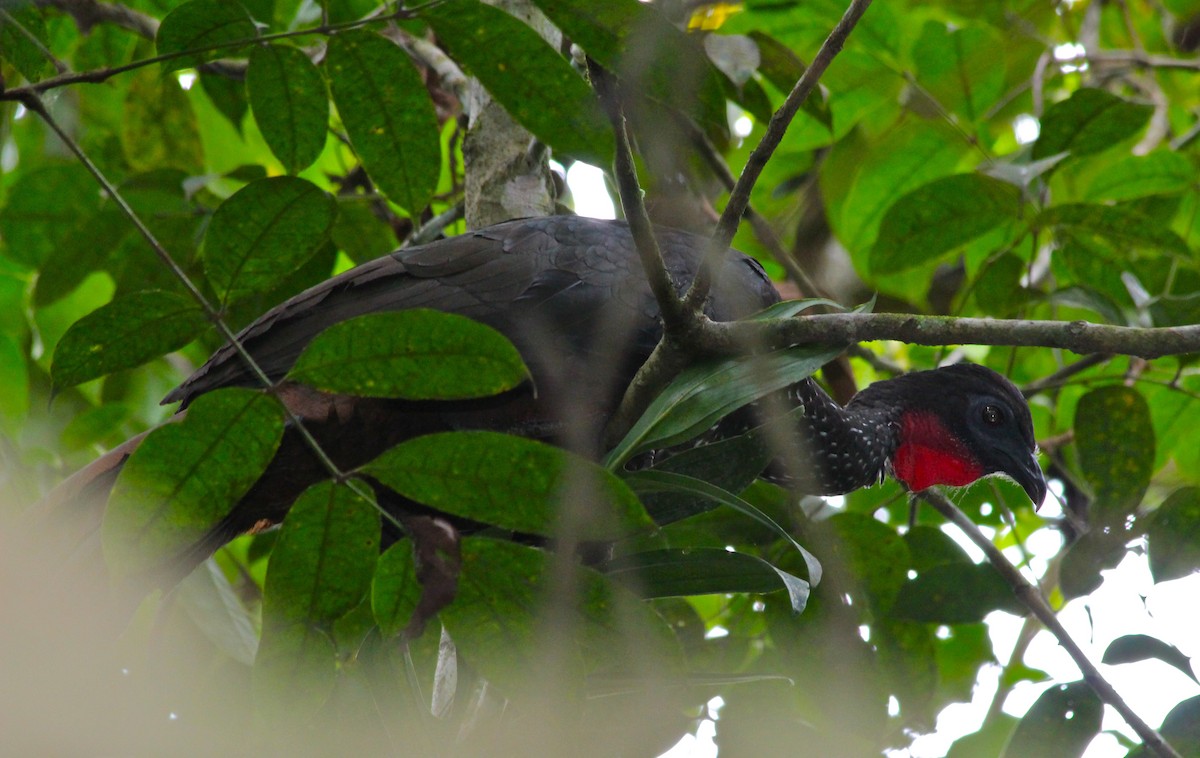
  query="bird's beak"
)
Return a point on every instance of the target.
[{"x": 1027, "y": 473}]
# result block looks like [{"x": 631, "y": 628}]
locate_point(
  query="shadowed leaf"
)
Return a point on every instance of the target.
[
  {"x": 1115, "y": 440},
  {"x": 1173, "y": 535},
  {"x": 955, "y": 593},
  {"x": 417, "y": 354},
  {"x": 1063, "y": 721},
  {"x": 1131, "y": 648},
  {"x": 1089, "y": 121},
  {"x": 199, "y": 24},
  {"x": 290, "y": 104}
]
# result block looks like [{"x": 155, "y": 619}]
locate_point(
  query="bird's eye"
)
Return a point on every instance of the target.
[{"x": 992, "y": 416}]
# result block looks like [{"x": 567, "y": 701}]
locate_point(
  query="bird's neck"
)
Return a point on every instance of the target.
[{"x": 930, "y": 454}]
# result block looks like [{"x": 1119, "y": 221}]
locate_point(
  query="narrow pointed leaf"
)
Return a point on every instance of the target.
[
  {"x": 509, "y": 482},
  {"x": 416, "y": 354},
  {"x": 186, "y": 476},
  {"x": 535, "y": 84},
  {"x": 125, "y": 333},
  {"x": 652, "y": 479},
  {"x": 703, "y": 571},
  {"x": 702, "y": 395},
  {"x": 388, "y": 115},
  {"x": 199, "y": 24},
  {"x": 1131, "y": 648},
  {"x": 290, "y": 103},
  {"x": 264, "y": 232},
  {"x": 322, "y": 563}
]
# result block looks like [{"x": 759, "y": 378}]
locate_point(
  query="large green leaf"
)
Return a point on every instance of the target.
[
  {"x": 185, "y": 477},
  {"x": 417, "y": 354},
  {"x": 1115, "y": 225},
  {"x": 290, "y": 102},
  {"x": 510, "y": 482},
  {"x": 703, "y": 394},
  {"x": 955, "y": 593},
  {"x": 1115, "y": 440},
  {"x": 125, "y": 333},
  {"x": 1089, "y": 121},
  {"x": 295, "y": 672},
  {"x": 1174, "y": 535},
  {"x": 388, "y": 115},
  {"x": 200, "y": 24},
  {"x": 942, "y": 216},
  {"x": 1181, "y": 727},
  {"x": 322, "y": 563},
  {"x": 1063, "y": 721},
  {"x": 535, "y": 84},
  {"x": 264, "y": 232},
  {"x": 957, "y": 66},
  {"x": 703, "y": 571}
]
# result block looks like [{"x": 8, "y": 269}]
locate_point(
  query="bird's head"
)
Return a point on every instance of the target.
[{"x": 957, "y": 424}]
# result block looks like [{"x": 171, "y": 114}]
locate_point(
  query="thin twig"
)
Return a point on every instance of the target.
[
  {"x": 1066, "y": 372},
  {"x": 739, "y": 198},
  {"x": 1032, "y": 598}
]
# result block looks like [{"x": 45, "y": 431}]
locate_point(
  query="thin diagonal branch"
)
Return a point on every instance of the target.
[
  {"x": 1032, "y": 598},
  {"x": 739, "y": 198}
]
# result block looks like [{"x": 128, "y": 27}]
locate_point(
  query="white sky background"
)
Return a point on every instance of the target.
[{"x": 1127, "y": 603}]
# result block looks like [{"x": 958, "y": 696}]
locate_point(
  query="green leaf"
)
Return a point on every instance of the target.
[
  {"x": 215, "y": 608},
  {"x": 199, "y": 24},
  {"x": 1089, "y": 121},
  {"x": 290, "y": 104},
  {"x": 703, "y": 394},
  {"x": 902, "y": 161},
  {"x": 158, "y": 128},
  {"x": 395, "y": 590},
  {"x": 17, "y": 24},
  {"x": 1181, "y": 727},
  {"x": 955, "y": 593},
  {"x": 295, "y": 672},
  {"x": 388, "y": 115},
  {"x": 873, "y": 553},
  {"x": 322, "y": 563},
  {"x": 652, "y": 479},
  {"x": 43, "y": 210},
  {"x": 1115, "y": 225},
  {"x": 703, "y": 571},
  {"x": 1173, "y": 535},
  {"x": 940, "y": 217},
  {"x": 535, "y": 84},
  {"x": 1159, "y": 173},
  {"x": 1131, "y": 648},
  {"x": 930, "y": 547},
  {"x": 1115, "y": 440},
  {"x": 782, "y": 68},
  {"x": 127, "y": 332},
  {"x": 1063, "y": 721},
  {"x": 509, "y": 482},
  {"x": 507, "y": 595},
  {"x": 1098, "y": 550},
  {"x": 227, "y": 95},
  {"x": 957, "y": 66},
  {"x": 263, "y": 232},
  {"x": 416, "y": 354},
  {"x": 185, "y": 477}
]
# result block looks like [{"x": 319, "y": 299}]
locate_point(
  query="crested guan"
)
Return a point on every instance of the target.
[{"x": 569, "y": 292}]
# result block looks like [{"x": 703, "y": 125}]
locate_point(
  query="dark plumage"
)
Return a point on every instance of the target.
[{"x": 569, "y": 292}]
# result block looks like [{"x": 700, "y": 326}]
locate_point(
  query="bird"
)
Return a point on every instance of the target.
[{"x": 570, "y": 294}]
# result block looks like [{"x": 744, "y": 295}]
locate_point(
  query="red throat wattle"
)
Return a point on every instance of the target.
[{"x": 930, "y": 454}]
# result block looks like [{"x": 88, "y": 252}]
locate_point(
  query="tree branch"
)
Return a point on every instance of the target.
[
  {"x": 739, "y": 198},
  {"x": 89, "y": 13},
  {"x": 1032, "y": 598},
  {"x": 847, "y": 328}
]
